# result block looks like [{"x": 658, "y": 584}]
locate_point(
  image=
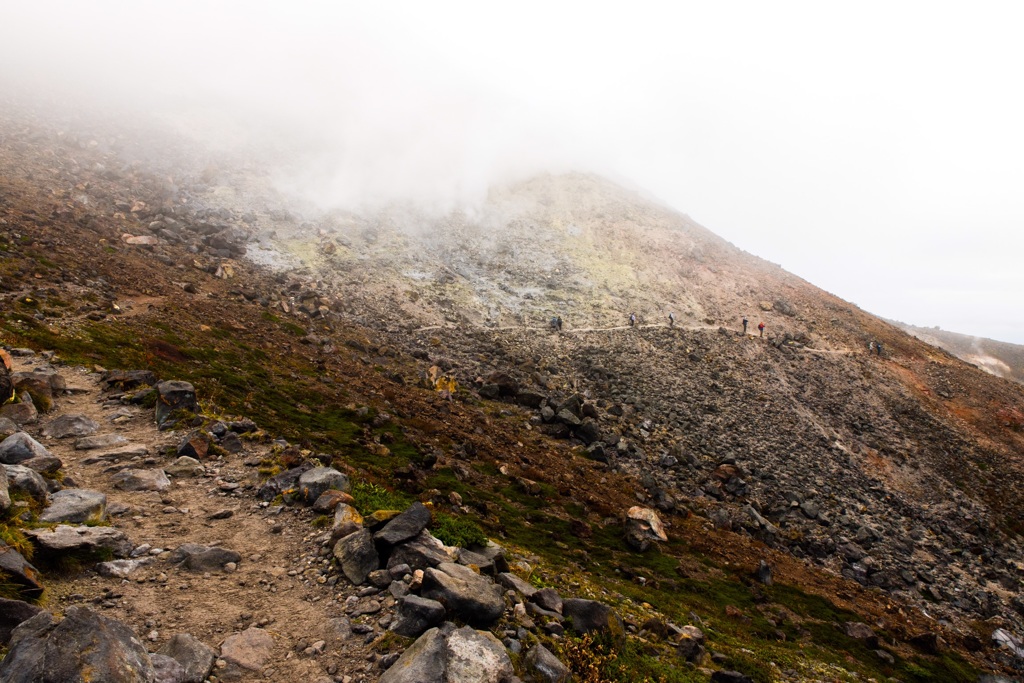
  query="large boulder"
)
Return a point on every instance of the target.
[
  {"x": 643, "y": 526},
  {"x": 28, "y": 481},
  {"x": 38, "y": 386},
  {"x": 174, "y": 398},
  {"x": 202, "y": 558},
  {"x": 84, "y": 646},
  {"x": 65, "y": 426},
  {"x": 449, "y": 655},
  {"x": 405, "y": 526},
  {"x": 473, "y": 598},
  {"x": 347, "y": 520},
  {"x": 357, "y": 556},
  {"x": 12, "y": 614},
  {"x": 19, "y": 447},
  {"x": 76, "y": 506},
  {"x": 80, "y": 541},
  {"x": 588, "y": 616},
  {"x": 420, "y": 552},
  {"x": 142, "y": 480},
  {"x": 195, "y": 657},
  {"x": 416, "y": 615},
  {"x": 20, "y": 571},
  {"x": 317, "y": 481}
]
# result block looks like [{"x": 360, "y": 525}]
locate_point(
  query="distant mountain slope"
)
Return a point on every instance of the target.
[{"x": 1001, "y": 359}]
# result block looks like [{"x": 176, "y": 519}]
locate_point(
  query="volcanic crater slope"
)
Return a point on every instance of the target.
[{"x": 829, "y": 512}]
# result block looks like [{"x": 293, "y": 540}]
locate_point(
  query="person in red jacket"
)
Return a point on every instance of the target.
[{"x": 760, "y": 329}]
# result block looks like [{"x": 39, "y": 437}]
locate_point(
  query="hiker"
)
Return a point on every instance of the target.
[
  {"x": 760, "y": 329},
  {"x": 554, "y": 323},
  {"x": 632, "y": 319},
  {"x": 558, "y": 321},
  {"x": 871, "y": 347},
  {"x": 745, "y": 324},
  {"x": 878, "y": 347},
  {"x": 671, "y": 319}
]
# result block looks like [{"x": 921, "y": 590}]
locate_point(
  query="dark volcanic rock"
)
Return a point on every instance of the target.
[
  {"x": 201, "y": 558},
  {"x": 420, "y": 552},
  {"x": 19, "y": 447},
  {"x": 590, "y": 615},
  {"x": 545, "y": 666},
  {"x": 357, "y": 556},
  {"x": 174, "y": 397},
  {"x": 465, "y": 594},
  {"x": 405, "y": 526},
  {"x": 12, "y": 614},
  {"x": 195, "y": 657},
  {"x": 416, "y": 615},
  {"x": 20, "y": 571},
  {"x": 85, "y": 646}
]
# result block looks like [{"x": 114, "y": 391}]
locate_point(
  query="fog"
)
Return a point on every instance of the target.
[{"x": 874, "y": 149}]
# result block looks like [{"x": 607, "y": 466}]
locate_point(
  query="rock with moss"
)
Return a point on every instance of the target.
[
  {"x": 75, "y": 506},
  {"x": 83, "y": 646},
  {"x": 27, "y": 481},
  {"x": 174, "y": 399},
  {"x": 22, "y": 412},
  {"x": 20, "y": 571},
  {"x": 405, "y": 526},
  {"x": 591, "y": 616},
  {"x": 38, "y": 386},
  {"x": 545, "y": 666}
]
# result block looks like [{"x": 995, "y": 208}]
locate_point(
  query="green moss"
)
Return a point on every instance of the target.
[
  {"x": 460, "y": 532},
  {"x": 370, "y": 497}
]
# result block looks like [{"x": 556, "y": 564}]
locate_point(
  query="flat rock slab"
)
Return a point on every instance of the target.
[
  {"x": 251, "y": 649},
  {"x": 420, "y": 552},
  {"x": 405, "y": 526},
  {"x": 19, "y": 447},
  {"x": 202, "y": 558},
  {"x": 47, "y": 464},
  {"x": 142, "y": 480},
  {"x": 85, "y": 646},
  {"x": 87, "y": 443},
  {"x": 63, "y": 539},
  {"x": 77, "y": 506},
  {"x": 70, "y": 425},
  {"x": 118, "y": 454}
]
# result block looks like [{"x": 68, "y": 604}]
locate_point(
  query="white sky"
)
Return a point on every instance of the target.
[{"x": 874, "y": 148}]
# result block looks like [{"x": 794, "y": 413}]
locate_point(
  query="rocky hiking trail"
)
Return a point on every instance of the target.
[{"x": 271, "y": 587}]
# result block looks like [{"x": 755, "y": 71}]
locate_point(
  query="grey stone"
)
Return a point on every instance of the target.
[
  {"x": 549, "y": 599},
  {"x": 100, "y": 441},
  {"x": 859, "y": 631},
  {"x": 173, "y": 396},
  {"x": 64, "y": 539},
  {"x": 120, "y": 569},
  {"x": 250, "y": 649},
  {"x": 194, "y": 656},
  {"x": 420, "y": 552},
  {"x": 141, "y": 480},
  {"x": 28, "y": 481},
  {"x": 313, "y": 483},
  {"x": 19, "y": 447},
  {"x": 202, "y": 558},
  {"x": 416, "y": 615},
  {"x": 66, "y": 426},
  {"x": 76, "y": 506},
  {"x": 477, "y": 656},
  {"x": 84, "y": 646},
  {"x": 589, "y": 615},
  {"x": 20, "y": 571},
  {"x": 7, "y": 427},
  {"x": 118, "y": 454},
  {"x": 405, "y": 526},
  {"x": 47, "y": 464},
  {"x": 185, "y": 467},
  {"x": 513, "y": 582},
  {"x": 424, "y": 661},
  {"x": 5, "y": 495},
  {"x": 545, "y": 666},
  {"x": 12, "y": 614},
  {"x": 465, "y": 594},
  {"x": 167, "y": 669},
  {"x": 357, "y": 556}
]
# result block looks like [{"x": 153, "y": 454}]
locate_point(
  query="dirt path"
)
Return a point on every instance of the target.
[{"x": 275, "y": 585}]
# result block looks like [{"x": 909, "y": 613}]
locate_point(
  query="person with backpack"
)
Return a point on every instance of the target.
[
  {"x": 671, "y": 319},
  {"x": 558, "y": 323},
  {"x": 760, "y": 329},
  {"x": 632, "y": 319},
  {"x": 878, "y": 347},
  {"x": 745, "y": 325}
]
